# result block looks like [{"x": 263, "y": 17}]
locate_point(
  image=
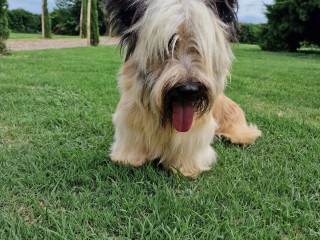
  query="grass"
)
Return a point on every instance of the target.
[
  {"x": 57, "y": 182},
  {"x": 36, "y": 36}
]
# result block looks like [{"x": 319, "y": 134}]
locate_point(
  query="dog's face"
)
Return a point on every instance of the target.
[{"x": 180, "y": 52}]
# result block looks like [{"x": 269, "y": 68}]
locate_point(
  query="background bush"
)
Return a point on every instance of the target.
[
  {"x": 23, "y": 21},
  {"x": 248, "y": 33}
]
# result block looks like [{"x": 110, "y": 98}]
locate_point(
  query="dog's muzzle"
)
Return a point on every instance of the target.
[{"x": 183, "y": 101}]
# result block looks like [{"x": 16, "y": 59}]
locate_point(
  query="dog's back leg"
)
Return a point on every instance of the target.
[{"x": 232, "y": 123}]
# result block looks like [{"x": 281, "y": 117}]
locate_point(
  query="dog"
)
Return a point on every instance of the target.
[{"x": 176, "y": 65}]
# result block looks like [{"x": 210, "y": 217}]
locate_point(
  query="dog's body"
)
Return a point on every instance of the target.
[{"x": 172, "y": 104}]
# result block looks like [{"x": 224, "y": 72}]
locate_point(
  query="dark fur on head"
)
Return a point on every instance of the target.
[
  {"x": 226, "y": 9},
  {"x": 125, "y": 13}
]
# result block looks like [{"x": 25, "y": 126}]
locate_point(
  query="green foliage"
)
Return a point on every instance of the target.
[
  {"x": 289, "y": 24},
  {"x": 23, "y": 21},
  {"x": 3, "y": 48},
  {"x": 66, "y": 17},
  {"x": 103, "y": 17},
  {"x": 47, "y": 20},
  {"x": 94, "y": 24},
  {"x": 84, "y": 18},
  {"x": 4, "y": 29},
  {"x": 248, "y": 33}
]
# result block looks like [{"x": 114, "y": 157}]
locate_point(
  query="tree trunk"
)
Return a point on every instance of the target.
[
  {"x": 110, "y": 27},
  {"x": 89, "y": 23},
  {"x": 42, "y": 20},
  {"x": 81, "y": 19}
]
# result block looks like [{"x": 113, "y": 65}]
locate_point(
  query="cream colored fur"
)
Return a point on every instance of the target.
[
  {"x": 202, "y": 52},
  {"x": 232, "y": 123},
  {"x": 140, "y": 135}
]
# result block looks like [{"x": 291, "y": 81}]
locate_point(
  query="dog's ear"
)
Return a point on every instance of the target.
[
  {"x": 226, "y": 10},
  {"x": 124, "y": 14}
]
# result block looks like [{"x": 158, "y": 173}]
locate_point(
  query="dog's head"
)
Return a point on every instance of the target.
[{"x": 179, "y": 51}]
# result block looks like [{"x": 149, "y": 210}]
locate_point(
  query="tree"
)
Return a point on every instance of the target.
[
  {"x": 84, "y": 21},
  {"x": 94, "y": 40},
  {"x": 103, "y": 17},
  {"x": 89, "y": 23},
  {"x": 81, "y": 19},
  {"x": 290, "y": 23},
  {"x": 4, "y": 29},
  {"x": 46, "y": 25},
  {"x": 92, "y": 24}
]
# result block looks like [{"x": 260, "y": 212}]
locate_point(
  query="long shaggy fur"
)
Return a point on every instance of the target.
[
  {"x": 232, "y": 123},
  {"x": 173, "y": 46}
]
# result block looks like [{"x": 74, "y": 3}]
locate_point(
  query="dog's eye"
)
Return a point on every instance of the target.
[{"x": 173, "y": 42}]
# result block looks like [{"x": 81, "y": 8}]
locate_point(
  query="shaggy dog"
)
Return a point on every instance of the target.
[{"x": 177, "y": 60}]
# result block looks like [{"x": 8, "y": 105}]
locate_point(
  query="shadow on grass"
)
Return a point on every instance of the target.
[
  {"x": 310, "y": 51},
  {"x": 152, "y": 171}
]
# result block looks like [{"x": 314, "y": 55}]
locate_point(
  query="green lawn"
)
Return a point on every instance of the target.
[
  {"x": 35, "y": 36},
  {"x": 57, "y": 182}
]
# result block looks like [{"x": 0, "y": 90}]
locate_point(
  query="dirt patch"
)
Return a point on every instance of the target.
[{"x": 22, "y": 45}]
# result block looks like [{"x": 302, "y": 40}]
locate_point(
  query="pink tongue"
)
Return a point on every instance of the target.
[{"x": 182, "y": 116}]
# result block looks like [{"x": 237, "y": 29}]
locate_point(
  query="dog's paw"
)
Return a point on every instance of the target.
[
  {"x": 244, "y": 135},
  {"x": 192, "y": 167},
  {"x": 135, "y": 161}
]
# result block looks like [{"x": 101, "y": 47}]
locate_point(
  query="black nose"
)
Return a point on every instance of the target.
[
  {"x": 187, "y": 89},
  {"x": 184, "y": 91}
]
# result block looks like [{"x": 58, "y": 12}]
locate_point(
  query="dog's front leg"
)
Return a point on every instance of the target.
[
  {"x": 191, "y": 153},
  {"x": 201, "y": 161},
  {"x": 128, "y": 147}
]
